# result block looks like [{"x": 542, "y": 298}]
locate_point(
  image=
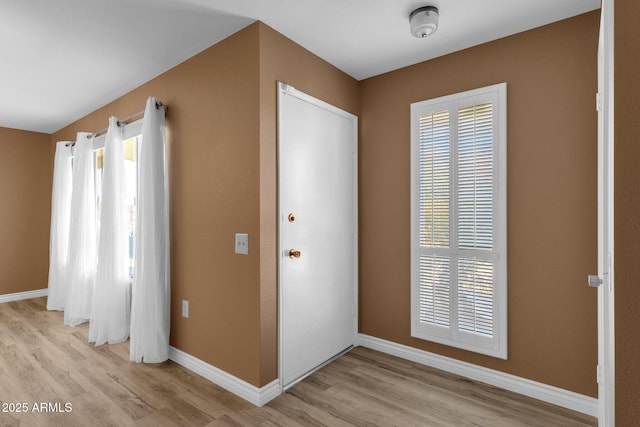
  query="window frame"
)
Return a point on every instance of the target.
[{"x": 496, "y": 345}]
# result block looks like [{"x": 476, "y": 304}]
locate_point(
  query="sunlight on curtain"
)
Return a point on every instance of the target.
[
  {"x": 82, "y": 237},
  {"x": 151, "y": 285},
  {"x": 60, "y": 221},
  {"x": 110, "y": 312}
]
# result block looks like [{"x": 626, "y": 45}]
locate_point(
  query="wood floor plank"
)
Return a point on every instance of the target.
[
  {"x": 304, "y": 413},
  {"x": 42, "y": 361},
  {"x": 135, "y": 406},
  {"x": 58, "y": 374},
  {"x": 62, "y": 344}
]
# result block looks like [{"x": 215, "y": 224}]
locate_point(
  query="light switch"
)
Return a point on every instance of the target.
[
  {"x": 242, "y": 243},
  {"x": 185, "y": 308}
]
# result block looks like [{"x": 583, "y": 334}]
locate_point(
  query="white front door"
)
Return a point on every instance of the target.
[{"x": 317, "y": 244}]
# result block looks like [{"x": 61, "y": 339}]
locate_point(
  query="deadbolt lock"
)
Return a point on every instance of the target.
[
  {"x": 291, "y": 217},
  {"x": 294, "y": 253}
]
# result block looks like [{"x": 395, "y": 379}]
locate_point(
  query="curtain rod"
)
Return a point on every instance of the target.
[{"x": 121, "y": 122}]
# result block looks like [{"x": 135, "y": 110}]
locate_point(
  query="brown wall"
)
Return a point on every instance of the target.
[
  {"x": 221, "y": 124},
  {"x": 626, "y": 211},
  {"x": 25, "y": 191},
  {"x": 552, "y": 200}
]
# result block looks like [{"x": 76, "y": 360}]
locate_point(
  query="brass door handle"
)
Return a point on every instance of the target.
[{"x": 294, "y": 253}]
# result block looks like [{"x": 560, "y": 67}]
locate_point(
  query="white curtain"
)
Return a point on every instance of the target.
[
  {"x": 110, "y": 312},
  {"x": 151, "y": 285},
  {"x": 82, "y": 236},
  {"x": 60, "y": 220}
]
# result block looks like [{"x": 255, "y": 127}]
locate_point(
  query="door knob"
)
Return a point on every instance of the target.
[
  {"x": 294, "y": 253},
  {"x": 594, "y": 281}
]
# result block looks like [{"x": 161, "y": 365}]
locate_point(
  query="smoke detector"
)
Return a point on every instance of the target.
[{"x": 424, "y": 21}]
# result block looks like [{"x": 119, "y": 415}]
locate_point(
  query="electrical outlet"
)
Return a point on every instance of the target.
[
  {"x": 185, "y": 308},
  {"x": 242, "y": 243}
]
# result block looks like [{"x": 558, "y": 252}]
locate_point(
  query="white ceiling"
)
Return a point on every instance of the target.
[{"x": 60, "y": 60}]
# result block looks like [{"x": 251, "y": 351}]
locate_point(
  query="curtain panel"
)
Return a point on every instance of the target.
[
  {"x": 110, "y": 312},
  {"x": 82, "y": 235},
  {"x": 151, "y": 280},
  {"x": 60, "y": 222}
]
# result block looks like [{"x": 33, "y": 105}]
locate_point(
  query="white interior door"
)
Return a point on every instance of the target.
[
  {"x": 317, "y": 244},
  {"x": 605, "y": 279}
]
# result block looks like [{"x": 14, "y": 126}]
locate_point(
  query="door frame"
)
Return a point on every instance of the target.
[
  {"x": 284, "y": 89},
  {"x": 606, "y": 308}
]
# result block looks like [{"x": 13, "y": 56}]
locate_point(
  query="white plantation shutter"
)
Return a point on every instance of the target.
[
  {"x": 459, "y": 220},
  {"x": 434, "y": 290},
  {"x": 475, "y": 296},
  {"x": 475, "y": 176},
  {"x": 435, "y": 185}
]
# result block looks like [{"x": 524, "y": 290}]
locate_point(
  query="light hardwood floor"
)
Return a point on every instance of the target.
[{"x": 41, "y": 360}]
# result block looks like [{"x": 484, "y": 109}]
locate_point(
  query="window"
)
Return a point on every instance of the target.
[
  {"x": 458, "y": 220},
  {"x": 131, "y": 140}
]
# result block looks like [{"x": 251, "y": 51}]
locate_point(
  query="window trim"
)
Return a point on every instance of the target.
[{"x": 451, "y": 336}]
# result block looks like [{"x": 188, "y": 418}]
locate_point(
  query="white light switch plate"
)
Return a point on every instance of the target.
[
  {"x": 185, "y": 308},
  {"x": 242, "y": 243}
]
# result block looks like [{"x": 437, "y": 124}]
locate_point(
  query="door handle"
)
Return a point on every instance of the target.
[
  {"x": 594, "y": 280},
  {"x": 294, "y": 253}
]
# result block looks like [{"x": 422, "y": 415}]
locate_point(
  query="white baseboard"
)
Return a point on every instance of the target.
[
  {"x": 24, "y": 295},
  {"x": 259, "y": 396},
  {"x": 554, "y": 395}
]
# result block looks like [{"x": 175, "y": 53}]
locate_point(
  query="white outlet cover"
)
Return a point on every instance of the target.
[{"x": 242, "y": 243}]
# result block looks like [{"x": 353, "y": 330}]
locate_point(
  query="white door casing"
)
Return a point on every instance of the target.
[
  {"x": 317, "y": 172},
  {"x": 606, "y": 331}
]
